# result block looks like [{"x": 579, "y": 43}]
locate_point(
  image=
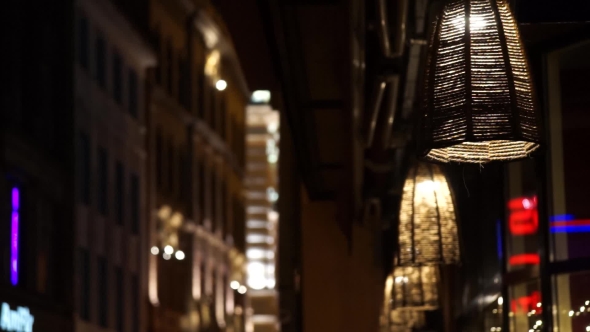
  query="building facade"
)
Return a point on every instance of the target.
[
  {"x": 36, "y": 160},
  {"x": 111, "y": 65},
  {"x": 196, "y": 152},
  {"x": 262, "y": 156}
]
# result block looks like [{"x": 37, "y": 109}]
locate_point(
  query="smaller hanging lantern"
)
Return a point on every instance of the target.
[
  {"x": 415, "y": 287},
  {"x": 398, "y": 320},
  {"x": 479, "y": 101},
  {"x": 427, "y": 223},
  {"x": 406, "y": 320}
]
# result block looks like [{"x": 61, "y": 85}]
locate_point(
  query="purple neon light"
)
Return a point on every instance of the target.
[{"x": 14, "y": 237}]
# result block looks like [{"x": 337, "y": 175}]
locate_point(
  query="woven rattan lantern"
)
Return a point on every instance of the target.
[
  {"x": 478, "y": 104},
  {"x": 415, "y": 287},
  {"x": 427, "y": 223},
  {"x": 398, "y": 320},
  {"x": 403, "y": 320}
]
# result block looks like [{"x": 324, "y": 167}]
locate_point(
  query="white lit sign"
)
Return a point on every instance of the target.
[{"x": 19, "y": 320}]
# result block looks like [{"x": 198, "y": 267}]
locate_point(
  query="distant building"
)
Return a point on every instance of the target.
[
  {"x": 262, "y": 156},
  {"x": 196, "y": 156},
  {"x": 111, "y": 65}
]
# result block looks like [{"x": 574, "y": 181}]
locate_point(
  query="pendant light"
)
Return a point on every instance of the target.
[
  {"x": 479, "y": 101},
  {"x": 427, "y": 222},
  {"x": 415, "y": 287},
  {"x": 406, "y": 320},
  {"x": 398, "y": 320}
]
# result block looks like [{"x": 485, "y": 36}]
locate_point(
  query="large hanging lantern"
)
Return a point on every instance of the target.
[
  {"x": 427, "y": 223},
  {"x": 479, "y": 103},
  {"x": 415, "y": 287}
]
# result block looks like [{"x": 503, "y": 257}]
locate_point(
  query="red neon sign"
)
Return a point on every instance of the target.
[
  {"x": 526, "y": 304},
  {"x": 523, "y": 220},
  {"x": 524, "y": 259}
]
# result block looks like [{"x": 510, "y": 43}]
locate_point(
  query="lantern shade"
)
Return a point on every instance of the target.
[
  {"x": 479, "y": 105},
  {"x": 415, "y": 287},
  {"x": 407, "y": 319},
  {"x": 427, "y": 222},
  {"x": 398, "y": 320}
]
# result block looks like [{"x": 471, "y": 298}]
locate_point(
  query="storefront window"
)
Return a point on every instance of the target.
[
  {"x": 569, "y": 124},
  {"x": 573, "y": 301},
  {"x": 525, "y": 307},
  {"x": 492, "y": 316}
]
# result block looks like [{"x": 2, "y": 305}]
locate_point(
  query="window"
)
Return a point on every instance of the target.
[
  {"x": 524, "y": 306},
  {"x": 159, "y": 159},
  {"x": 569, "y": 212},
  {"x": 119, "y": 314},
  {"x": 84, "y": 168},
  {"x": 183, "y": 175},
  {"x": 573, "y": 299},
  {"x": 171, "y": 167},
  {"x": 169, "y": 66},
  {"x": 103, "y": 181},
  {"x": 135, "y": 203},
  {"x": 214, "y": 198},
  {"x": 158, "y": 45},
  {"x": 83, "y": 42},
  {"x": 132, "y": 102},
  {"x": 223, "y": 115},
  {"x": 213, "y": 107},
  {"x": 102, "y": 292},
  {"x": 202, "y": 190},
  {"x": 101, "y": 50},
  {"x": 84, "y": 275},
  {"x": 204, "y": 279},
  {"x": 135, "y": 287},
  {"x": 223, "y": 220},
  {"x": 201, "y": 94},
  {"x": 117, "y": 78},
  {"x": 120, "y": 193},
  {"x": 183, "y": 84}
]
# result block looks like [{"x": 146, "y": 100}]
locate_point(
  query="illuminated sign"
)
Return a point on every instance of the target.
[
  {"x": 19, "y": 320},
  {"x": 14, "y": 236},
  {"x": 527, "y": 304},
  {"x": 523, "y": 220}
]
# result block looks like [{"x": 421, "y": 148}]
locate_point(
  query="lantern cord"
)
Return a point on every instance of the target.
[{"x": 465, "y": 182}]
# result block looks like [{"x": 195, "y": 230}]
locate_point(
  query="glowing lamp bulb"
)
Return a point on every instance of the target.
[
  {"x": 179, "y": 255},
  {"x": 500, "y": 300},
  {"x": 155, "y": 250},
  {"x": 242, "y": 289},
  {"x": 168, "y": 250},
  {"x": 427, "y": 186},
  {"x": 167, "y": 256},
  {"x": 221, "y": 85},
  {"x": 234, "y": 285}
]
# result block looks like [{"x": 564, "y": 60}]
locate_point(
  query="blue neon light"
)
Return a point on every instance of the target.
[
  {"x": 562, "y": 217},
  {"x": 570, "y": 229}
]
